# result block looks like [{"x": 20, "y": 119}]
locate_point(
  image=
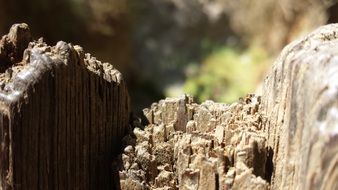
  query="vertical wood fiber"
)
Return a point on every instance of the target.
[{"x": 61, "y": 122}]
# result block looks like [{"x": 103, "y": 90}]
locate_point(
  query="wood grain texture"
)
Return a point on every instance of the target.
[
  {"x": 286, "y": 138},
  {"x": 62, "y": 115},
  {"x": 300, "y": 96}
]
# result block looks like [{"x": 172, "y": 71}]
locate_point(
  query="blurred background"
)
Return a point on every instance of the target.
[{"x": 212, "y": 49}]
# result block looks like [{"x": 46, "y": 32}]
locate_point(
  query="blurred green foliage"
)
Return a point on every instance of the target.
[{"x": 227, "y": 74}]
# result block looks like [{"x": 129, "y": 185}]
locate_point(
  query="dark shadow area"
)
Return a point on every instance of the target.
[
  {"x": 217, "y": 181},
  {"x": 54, "y": 20},
  {"x": 115, "y": 176},
  {"x": 333, "y": 13},
  {"x": 269, "y": 167},
  {"x": 259, "y": 160}
]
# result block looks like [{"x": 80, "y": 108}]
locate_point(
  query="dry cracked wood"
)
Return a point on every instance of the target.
[
  {"x": 62, "y": 115},
  {"x": 287, "y": 141},
  {"x": 300, "y": 95},
  {"x": 192, "y": 146}
]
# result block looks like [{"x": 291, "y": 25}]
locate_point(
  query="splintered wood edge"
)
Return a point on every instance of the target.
[{"x": 40, "y": 58}]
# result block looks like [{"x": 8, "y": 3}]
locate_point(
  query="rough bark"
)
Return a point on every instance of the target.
[
  {"x": 300, "y": 95},
  {"x": 62, "y": 115}
]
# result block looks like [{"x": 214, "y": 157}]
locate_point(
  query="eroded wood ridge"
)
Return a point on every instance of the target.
[
  {"x": 198, "y": 146},
  {"x": 55, "y": 130}
]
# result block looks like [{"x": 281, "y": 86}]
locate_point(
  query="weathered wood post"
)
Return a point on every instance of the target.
[
  {"x": 62, "y": 115},
  {"x": 287, "y": 138},
  {"x": 300, "y": 96}
]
